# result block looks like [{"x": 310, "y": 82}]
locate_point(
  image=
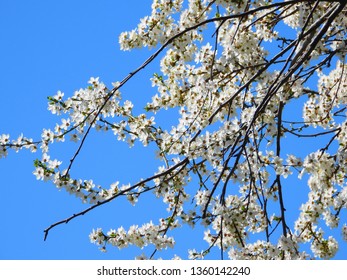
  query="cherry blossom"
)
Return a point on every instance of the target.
[{"x": 233, "y": 71}]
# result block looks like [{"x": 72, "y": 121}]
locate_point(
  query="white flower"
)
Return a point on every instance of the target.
[
  {"x": 74, "y": 137},
  {"x": 47, "y": 135},
  {"x": 344, "y": 232},
  {"x": 94, "y": 81},
  {"x": 65, "y": 124},
  {"x": 97, "y": 236},
  {"x": 54, "y": 164},
  {"x": 4, "y": 139},
  {"x": 39, "y": 173}
]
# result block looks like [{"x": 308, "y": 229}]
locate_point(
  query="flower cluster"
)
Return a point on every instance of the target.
[
  {"x": 135, "y": 235},
  {"x": 16, "y": 144}
]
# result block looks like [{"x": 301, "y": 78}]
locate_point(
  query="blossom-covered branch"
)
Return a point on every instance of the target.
[{"x": 238, "y": 137}]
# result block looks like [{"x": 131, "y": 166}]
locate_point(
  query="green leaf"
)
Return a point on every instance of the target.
[{"x": 37, "y": 163}]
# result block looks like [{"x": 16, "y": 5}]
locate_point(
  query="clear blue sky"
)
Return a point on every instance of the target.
[{"x": 48, "y": 46}]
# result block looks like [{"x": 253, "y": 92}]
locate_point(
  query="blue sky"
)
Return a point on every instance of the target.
[{"x": 48, "y": 46}]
